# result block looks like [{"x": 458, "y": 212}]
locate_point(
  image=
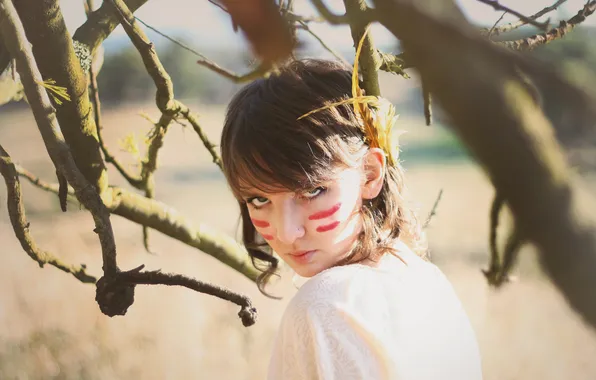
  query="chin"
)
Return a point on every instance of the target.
[{"x": 308, "y": 270}]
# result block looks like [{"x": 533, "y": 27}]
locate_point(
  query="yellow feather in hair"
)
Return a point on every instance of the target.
[{"x": 376, "y": 113}]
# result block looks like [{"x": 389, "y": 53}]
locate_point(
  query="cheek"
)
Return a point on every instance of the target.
[
  {"x": 328, "y": 227},
  {"x": 259, "y": 224},
  {"x": 342, "y": 210}
]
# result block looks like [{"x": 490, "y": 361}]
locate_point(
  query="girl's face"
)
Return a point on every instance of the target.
[{"x": 314, "y": 230}]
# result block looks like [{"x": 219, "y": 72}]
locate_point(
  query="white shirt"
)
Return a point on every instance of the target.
[{"x": 393, "y": 321}]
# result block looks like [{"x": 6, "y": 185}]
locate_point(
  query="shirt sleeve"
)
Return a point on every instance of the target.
[{"x": 326, "y": 341}]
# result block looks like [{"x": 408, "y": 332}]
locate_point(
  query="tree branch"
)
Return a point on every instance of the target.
[
  {"x": 20, "y": 225},
  {"x": 564, "y": 27},
  {"x": 369, "y": 59},
  {"x": 527, "y": 20},
  {"x": 323, "y": 44},
  {"x": 184, "y": 111},
  {"x": 494, "y": 113},
  {"x": 101, "y": 23},
  {"x": 328, "y": 15},
  {"x": 170, "y": 222},
  {"x": 248, "y": 314},
  {"x": 55, "y": 56},
  {"x": 133, "y": 180},
  {"x": 514, "y": 25},
  {"x": 433, "y": 211},
  {"x": 256, "y": 73},
  {"x": 15, "y": 40}
]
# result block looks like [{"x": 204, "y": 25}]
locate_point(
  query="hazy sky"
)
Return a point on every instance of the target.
[{"x": 211, "y": 26}]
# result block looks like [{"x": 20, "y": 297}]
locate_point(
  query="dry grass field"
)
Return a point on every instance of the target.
[{"x": 51, "y": 327}]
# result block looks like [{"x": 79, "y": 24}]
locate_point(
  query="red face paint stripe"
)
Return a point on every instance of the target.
[
  {"x": 267, "y": 237},
  {"x": 325, "y": 213},
  {"x": 260, "y": 223},
  {"x": 327, "y": 227}
]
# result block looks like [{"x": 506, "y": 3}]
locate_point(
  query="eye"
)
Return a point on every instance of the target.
[
  {"x": 314, "y": 192},
  {"x": 257, "y": 202}
]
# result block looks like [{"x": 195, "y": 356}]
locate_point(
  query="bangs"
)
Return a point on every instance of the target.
[{"x": 272, "y": 164}]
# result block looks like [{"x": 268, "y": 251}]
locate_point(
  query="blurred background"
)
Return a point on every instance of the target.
[{"x": 50, "y": 325}]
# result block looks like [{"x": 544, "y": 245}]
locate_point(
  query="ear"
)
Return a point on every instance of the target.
[{"x": 374, "y": 166}]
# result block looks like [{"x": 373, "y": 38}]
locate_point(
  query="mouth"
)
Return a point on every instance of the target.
[
  {"x": 301, "y": 253},
  {"x": 302, "y": 257}
]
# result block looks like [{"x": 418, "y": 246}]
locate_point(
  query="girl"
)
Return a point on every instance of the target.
[{"x": 323, "y": 191}]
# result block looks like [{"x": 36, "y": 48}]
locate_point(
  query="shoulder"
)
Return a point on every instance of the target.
[{"x": 326, "y": 290}]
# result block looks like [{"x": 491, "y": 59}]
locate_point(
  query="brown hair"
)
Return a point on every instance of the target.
[{"x": 265, "y": 147}]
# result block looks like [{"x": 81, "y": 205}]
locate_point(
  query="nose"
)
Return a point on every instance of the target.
[{"x": 289, "y": 225}]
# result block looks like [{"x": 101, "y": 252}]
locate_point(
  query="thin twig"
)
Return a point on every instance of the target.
[
  {"x": 495, "y": 264},
  {"x": 96, "y": 104},
  {"x": 528, "y": 20},
  {"x": 490, "y": 32},
  {"x": 248, "y": 313},
  {"x": 514, "y": 25},
  {"x": 328, "y": 15},
  {"x": 164, "y": 99},
  {"x": 427, "y": 100},
  {"x": 256, "y": 73},
  {"x": 175, "y": 41},
  {"x": 323, "y": 44},
  {"x": 202, "y": 135},
  {"x": 218, "y": 5},
  {"x": 132, "y": 179},
  {"x": 20, "y": 225},
  {"x": 206, "y": 62},
  {"x": 51, "y": 187},
  {"x": 564, "y": 27},
  {"x": 433, "y": 211}
]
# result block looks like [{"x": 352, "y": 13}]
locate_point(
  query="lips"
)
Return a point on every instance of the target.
[
  {"x": 301, "y": 256},
  {"x": 300, "y": 253}
]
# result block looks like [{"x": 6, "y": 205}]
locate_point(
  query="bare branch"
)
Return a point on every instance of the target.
[
  {"x": 170, "y": 222},
  {"x": 57, "y": 59},
  {"x": 433, "y": 211},
  {"x": 206, "y": 62},
  {"x": 248, "y": 313},
  {"x": 164, "y": 99},
  {"x": 427, "y": 101},
  {"x": 494, "y": 268},
  {"x": 163, "y": 82},
  {"x": 214, "y": 2},
  {"x": 328, "y": 15},
  {"x": 101, "y": 23},
  {"x": 258, "y": 72},
  {"x": 491, "y": 31},
  {"x": 514, "y": 25},
  {"x": 15, "y": 40},
  {"x": 20, "y": 225},
  {"x": 564, "y": 27},
  {"x": 293, "y": 17},
  {"x": 175, "y": 41},
  {"x": 369, "y": 59},
  {"x": 495, "y": 113},
  {"x": 192, "y": 119},
  {"x": 528, "y": 20},
  {"x": 130, "y": 178},
  {"x": 323, "y": 44}
]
